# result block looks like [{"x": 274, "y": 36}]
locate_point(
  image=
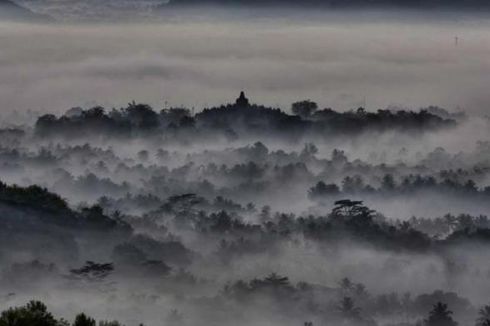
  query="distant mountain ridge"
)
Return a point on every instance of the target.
[
  {"x": 9, "y": 10},
  {"x": 476, "y": 4}
]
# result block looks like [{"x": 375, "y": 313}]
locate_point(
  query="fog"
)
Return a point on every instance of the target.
[
  {"x": 348, "y": 184},
  {"x": 341, "y": 63}
]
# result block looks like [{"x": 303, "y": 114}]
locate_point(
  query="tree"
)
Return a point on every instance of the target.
[
  {"x": 304, "y": 108},
  {"x": 187, "y": 122},
  {"x": 321, "y": 189},
  {"x": 83, "y": 320},
  {"x": 45, "y": 124},
  {"x": 34, "y": 313},
  {"x": 309, "y": 151},
  {"x": 388, "y": 183},
  {"x": 483, "y": 316},
  {"x": 339, "y": 158},
  {"x": 275, "y": 280},
  {"x": 440, "y": 315},
  {"x": 350, "y": 209},
  {"x": 142, "y": 116}
]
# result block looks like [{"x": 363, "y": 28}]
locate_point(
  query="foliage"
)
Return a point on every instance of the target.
[
  {"x": 483, "y": 316},
  {"x": 232, "y": 119},
  {"x": 440, "y": 315},
  {"x": 84, "y": 320},
  {"x": 34, "y": 313},
  {"x": 34, "y": 197}
]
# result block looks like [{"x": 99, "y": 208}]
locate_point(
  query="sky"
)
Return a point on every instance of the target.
[{"x": 340, "y": 61}]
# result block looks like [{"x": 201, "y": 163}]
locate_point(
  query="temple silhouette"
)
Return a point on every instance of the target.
[{"x": 242, "y": 101}]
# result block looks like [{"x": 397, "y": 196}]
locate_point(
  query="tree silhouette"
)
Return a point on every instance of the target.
[
  {"x": 483, "y": 316},
  {"x": 304, "y": 108},
  {"x": 275, "y": 280},
  {"x": 83, "y": 320},
  {"x": 440, "y": 315},
  {"x": 350, "y": 209},
  {"x": 34, "y": 313}
]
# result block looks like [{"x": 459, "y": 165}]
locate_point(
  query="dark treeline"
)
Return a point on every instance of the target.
[
  {"x": 409, "y": 185},
  {"x": 36, "y": 217},
  {"x": 346, "y": 311},
  {"x": 38, "y": 213},
  {"x": 233, "y": 121},
  {"x": 35, "y": 313},
  {"x": 155, "y": 171}
]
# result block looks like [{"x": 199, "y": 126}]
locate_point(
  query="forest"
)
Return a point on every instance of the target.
[{"x": 245, "y": 214}]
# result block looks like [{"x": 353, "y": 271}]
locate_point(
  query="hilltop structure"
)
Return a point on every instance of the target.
[{"x": 242, "y": 101}]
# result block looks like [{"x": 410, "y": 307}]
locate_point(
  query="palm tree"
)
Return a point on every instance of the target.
[
  {"x": 440, "y": 315},
  {"x": 483, "y": 316}
]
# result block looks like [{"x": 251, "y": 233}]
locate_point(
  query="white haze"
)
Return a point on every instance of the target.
[{"x": 341, "y": 63}]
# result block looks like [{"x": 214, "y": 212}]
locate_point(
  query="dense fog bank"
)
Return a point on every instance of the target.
[
  {"x": 246, "y": 213},
  {"x": 217, "y": 167},
  {"x": 341, "y": 61}
]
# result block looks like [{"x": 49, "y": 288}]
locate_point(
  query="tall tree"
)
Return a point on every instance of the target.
[{"x": 440, "y": 315}]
